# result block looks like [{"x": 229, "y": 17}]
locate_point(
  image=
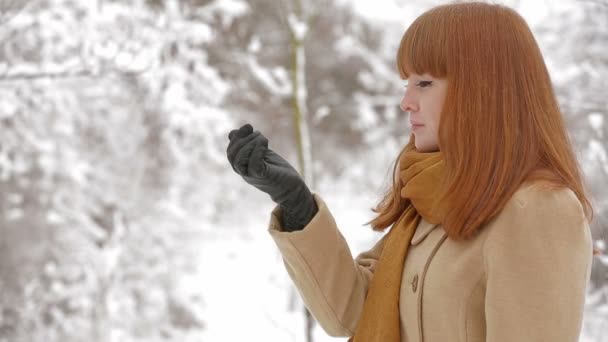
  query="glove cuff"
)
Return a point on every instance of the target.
[{"x": 297, "y": 217}]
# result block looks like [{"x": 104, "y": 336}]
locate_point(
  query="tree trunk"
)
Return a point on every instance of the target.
[{"x": 297, "y": 28}]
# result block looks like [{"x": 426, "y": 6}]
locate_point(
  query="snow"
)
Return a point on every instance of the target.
[
  {"x": 320, "y": 113},
  {"x": 596, "y": 120},
  {"x": 246, "y": 285},
  {"x": 229, "y": 10},
  {"x": 243, "y": 289},
  {"x": 398, "y": 11},
  {"x": 297, "y": 26},
  {"x": 596, "y": 155},
  {"x": 277, "y": 84},
  {"x": 383, "y": 10}
]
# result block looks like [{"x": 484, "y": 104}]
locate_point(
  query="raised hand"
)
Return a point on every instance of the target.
[{"x": 250, "y": 157}]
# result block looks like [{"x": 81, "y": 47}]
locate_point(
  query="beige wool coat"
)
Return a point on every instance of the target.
[{"x": 522, "y": 279}]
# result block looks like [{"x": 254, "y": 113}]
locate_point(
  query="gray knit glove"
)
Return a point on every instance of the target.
[{"x": 250, "y": 157}]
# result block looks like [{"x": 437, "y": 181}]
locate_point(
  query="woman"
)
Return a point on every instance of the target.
[{"x": 489, "y": 237}]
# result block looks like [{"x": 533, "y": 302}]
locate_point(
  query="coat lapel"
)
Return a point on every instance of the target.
[{"x": 423, "y": 229}]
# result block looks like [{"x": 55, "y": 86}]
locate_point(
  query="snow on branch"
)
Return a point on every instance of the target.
[
  {"x": 297, "y": 26},
  {"x": 276, "y": 82}
]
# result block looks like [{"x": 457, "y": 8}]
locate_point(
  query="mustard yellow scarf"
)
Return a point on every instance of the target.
[{"x": 420, "y": 173}]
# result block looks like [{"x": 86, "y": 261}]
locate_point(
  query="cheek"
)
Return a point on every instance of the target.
[{"x": 437, "y": 113}]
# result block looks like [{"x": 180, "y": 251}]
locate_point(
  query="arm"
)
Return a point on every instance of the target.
[
  {"x": 537, "y": 262},
  {"x": 317, "y": 258}
]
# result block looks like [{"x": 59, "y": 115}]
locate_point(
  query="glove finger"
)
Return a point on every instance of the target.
[
  {"x": 237, "y": 144},
  {"x": 257, "y": 165},
  {"x": 275, "y": 166},
  {"x": 242, "y": 132},
  {"x": 241, "y": 161}
]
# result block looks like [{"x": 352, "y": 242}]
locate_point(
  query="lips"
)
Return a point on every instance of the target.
[{"x": 415, "y": 125}]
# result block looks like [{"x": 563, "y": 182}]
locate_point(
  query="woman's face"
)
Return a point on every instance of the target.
[{"x": 423, "y": 99}]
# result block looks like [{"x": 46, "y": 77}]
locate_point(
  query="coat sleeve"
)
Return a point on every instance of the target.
[
  {"x": 318, "y": 260},
  {"x": 537, "y": 261}
]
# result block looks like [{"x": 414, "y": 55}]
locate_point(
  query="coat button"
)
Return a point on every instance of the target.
[{"x": 415, "y": 283}]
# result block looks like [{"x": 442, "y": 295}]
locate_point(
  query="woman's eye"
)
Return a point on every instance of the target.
[{"x": 422, "y": 84}]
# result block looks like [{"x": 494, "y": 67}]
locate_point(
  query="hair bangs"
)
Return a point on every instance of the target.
[{"x": 422, "y": 48}]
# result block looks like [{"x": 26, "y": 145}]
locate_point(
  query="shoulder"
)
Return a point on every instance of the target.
[
  {"x": 540, "y": 195},
  {"x": 533, "y": 201},
  {"x": 537, "y": 260},
  {"x": 538, "y": 219}
]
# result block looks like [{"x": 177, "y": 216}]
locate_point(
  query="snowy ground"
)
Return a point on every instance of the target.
[{"x": 246, "y": 288}]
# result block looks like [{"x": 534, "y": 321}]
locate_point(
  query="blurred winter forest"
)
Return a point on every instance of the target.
[{"x": 121, "y": 219}]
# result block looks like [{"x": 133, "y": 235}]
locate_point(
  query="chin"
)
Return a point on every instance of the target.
[{"x": 427, "y": 148}]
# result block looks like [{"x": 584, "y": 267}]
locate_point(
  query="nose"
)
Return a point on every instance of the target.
[{"x": 408, "y": 104}]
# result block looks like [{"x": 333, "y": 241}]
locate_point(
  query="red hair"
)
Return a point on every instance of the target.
[{"x": 500, "y": 125}]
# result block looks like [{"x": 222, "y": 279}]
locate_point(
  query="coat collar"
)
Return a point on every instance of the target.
[{"x": 423, "y": 229}]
